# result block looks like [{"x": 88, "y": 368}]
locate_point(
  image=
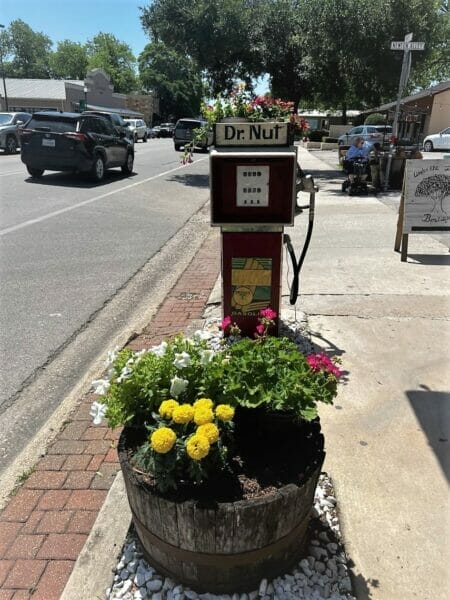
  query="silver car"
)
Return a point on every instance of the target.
[
  {"x": 9, "y": 134},
  {"x": 369, "y": 133},
  {"x": 138, "y": 129}
]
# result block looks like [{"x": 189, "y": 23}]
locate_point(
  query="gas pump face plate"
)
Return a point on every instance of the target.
[{"x": 252, "y": 189}]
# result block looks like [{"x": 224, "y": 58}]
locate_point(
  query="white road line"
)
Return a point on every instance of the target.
[
  {"x": 11, "y": 173},
  {"x": 85, "y": 202}
]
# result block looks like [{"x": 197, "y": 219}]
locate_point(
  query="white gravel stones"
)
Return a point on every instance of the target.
[{"x": 321, "y": 575}]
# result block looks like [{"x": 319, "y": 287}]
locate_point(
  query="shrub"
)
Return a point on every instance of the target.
[
  {"x": 375, "y": 119},
  {"x": 316, "y": 135},
  {"x": 330, "y": 140}
]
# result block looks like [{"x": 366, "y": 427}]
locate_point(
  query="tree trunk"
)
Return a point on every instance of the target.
[{"x": 344, "y": 113}]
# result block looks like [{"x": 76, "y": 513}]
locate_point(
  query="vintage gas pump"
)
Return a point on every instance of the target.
[{"x": 253, "y": 180}]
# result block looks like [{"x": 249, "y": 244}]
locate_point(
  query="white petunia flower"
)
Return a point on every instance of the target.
[
  {"x": 100, "y": 386},
  {"x": 98, "y": 412},
  {"x": 177, "y": 386},
  {"x": 206, "y": 356},
  {"x": 124, "y": 374},
  {"x": 159, "y": 350},
  {"x": 201, "y": 334},
  {"x": 112, "y": 355},
  {"x": 182, "y": 360}
]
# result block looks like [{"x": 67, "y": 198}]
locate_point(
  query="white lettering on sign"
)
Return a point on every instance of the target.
[
  {"x": 251, "y": 134},
  {"x": 407, "y": 45},
  {"x": 252, "y": 185}
]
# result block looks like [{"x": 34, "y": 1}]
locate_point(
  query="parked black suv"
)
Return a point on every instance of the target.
[
  {"x": 116, "y": 121},
  {"x": 74, "y": 142}
]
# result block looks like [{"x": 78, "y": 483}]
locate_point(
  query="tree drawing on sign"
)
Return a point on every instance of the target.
[{"x": 436, "y": 187}]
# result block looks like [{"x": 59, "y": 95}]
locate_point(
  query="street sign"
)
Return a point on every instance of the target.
[{"x": 407, "y": 45}]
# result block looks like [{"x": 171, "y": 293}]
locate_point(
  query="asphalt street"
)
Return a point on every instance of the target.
[{"x": 68, "y": 248}]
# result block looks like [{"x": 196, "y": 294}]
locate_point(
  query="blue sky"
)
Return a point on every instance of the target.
[{"x": 80, "y": 20}]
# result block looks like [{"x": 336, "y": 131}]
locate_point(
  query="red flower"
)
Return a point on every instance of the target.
[
  {"x": 321, "y": 362},
  {"x": 268, "y": 313},
  {"x": 226, "y": 323}
]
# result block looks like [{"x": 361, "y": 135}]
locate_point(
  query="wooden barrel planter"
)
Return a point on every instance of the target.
[{"x": 223, "y": 547}]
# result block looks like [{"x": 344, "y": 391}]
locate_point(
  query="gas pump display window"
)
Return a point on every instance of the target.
[{"x": 252, "y": 185}]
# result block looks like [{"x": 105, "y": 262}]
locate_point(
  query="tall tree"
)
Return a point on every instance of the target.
[
  {"x": 69, "y": 61},
  {"x": 174, "y": 78},
  {"x": 106, "y": 52},
  {"x": 27, "y": 52},
  {"x": 218, "y": 34}
]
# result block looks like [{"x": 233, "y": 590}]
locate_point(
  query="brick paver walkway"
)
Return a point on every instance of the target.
[{"x": 46, "y": 523}]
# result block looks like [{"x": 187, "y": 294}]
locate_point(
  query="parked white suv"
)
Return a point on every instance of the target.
[
  {"x": 9, "y": 125},
  {"x": 138, "y": 129},
  {"x": 369, "y": 133}
]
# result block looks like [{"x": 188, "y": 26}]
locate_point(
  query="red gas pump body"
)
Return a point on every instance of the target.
[
  {"x": 253, "y": 196},
  {"x": 251, "y": 270}
]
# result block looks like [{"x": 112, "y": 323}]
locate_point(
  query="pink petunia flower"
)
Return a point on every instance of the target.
[
  {"x": 226, "y": 323},
  {"x": 268, "y": 313},
  {"x": 260, "y": 329}
]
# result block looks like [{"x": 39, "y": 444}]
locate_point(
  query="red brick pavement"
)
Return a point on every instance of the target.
[{"x": 47, "y": 521}]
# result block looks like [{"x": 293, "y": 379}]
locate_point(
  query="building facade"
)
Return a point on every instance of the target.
[{"x": 94, "y": 93}]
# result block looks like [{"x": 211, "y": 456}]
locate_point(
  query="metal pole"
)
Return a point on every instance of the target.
[
  {"x": 403, "y": 80},
  {"x": 3, "y": 75}
]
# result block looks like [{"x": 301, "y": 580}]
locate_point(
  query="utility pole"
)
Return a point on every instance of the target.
[
  {"x": 3, "y": 74},
  {"x": 407, "y": 45}
]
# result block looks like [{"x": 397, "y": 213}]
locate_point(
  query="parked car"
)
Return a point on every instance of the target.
[
  {"x": 63, "y": 141},
  {"x": 116, "y": 121},
  {"x": 152, "y": 132},
  {"x": 9, "y": 130},
  {"x": 183, "y": 133},
  {"x": 369, "y": 133},
  {"x": 166, "y": 129},
  {"x": 138, "y": 129},
  {"x": 437, "y": 141}
]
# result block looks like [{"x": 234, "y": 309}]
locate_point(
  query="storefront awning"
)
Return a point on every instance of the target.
[{"x": 123, "y": 112}]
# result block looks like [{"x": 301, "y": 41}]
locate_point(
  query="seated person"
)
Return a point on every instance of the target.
[{"x": 355, "y": 152}]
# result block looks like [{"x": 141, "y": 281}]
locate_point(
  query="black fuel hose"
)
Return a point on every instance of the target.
[{"x": 297, "y": 266}]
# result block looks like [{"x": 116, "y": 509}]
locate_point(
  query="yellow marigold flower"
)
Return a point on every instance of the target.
[
  {"x": 163, "y": 440},
  {"x": 166, "y": 408},
  {"x": 183, "y": 413},
  {"x": 224, "y": 412},
  {"x": 203, "y": 403},
  {"x": 197, "y": 447},
  {"x": 210, "y": 431},
  {"x": 203, "y": 415}
]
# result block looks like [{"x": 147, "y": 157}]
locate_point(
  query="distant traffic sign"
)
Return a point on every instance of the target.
[{"x": 407, "y": 45}]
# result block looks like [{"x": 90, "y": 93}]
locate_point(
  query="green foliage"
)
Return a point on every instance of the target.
[
  {"x": 219, "y": 35},
  {"x": 106, "y": 52},
  {"x": 69, "y": 61},
  {"x": 176, "y": 467},
  {"x": 140, "y": 382},
  {"x": 26, "y": 53},
  {"x": 272, "y": 373},
  {"x": 175, "y": 78},
  {"x": 375, "y": 119}
]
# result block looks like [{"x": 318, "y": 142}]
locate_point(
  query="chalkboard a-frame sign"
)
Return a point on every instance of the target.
[{"x": 425, "y": 201}]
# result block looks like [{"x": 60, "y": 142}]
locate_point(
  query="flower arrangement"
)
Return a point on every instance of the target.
[
  {"x": 185, "y": 392},
  {"x": 240, "y": 103}
]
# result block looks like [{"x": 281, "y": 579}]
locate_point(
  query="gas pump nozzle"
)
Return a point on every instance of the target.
[{"x": 304, "y": 184}]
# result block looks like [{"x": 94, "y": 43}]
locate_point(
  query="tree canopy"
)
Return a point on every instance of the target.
[
  {"x": 26, "y": 53},
  {"x": 337, "y": 53},
  {"x": 106, "y": 52},
  {"x": 69, "y": 61},
  {"x": 174, "y": 78}
]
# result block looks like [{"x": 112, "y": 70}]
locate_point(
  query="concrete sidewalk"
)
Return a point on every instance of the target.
[{"x": 386, "y": 437}]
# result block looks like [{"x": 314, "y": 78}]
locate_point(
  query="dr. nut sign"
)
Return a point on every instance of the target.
[{"x": 252, "y": 134}]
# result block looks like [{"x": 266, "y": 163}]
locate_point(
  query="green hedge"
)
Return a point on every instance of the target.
[{"x": 316, "y": 135}]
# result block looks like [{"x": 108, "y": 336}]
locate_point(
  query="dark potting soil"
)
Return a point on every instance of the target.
[{"x": 261, "y": 462}]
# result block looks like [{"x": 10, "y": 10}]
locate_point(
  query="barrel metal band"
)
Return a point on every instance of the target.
[{"x": 225, "y": 560}]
